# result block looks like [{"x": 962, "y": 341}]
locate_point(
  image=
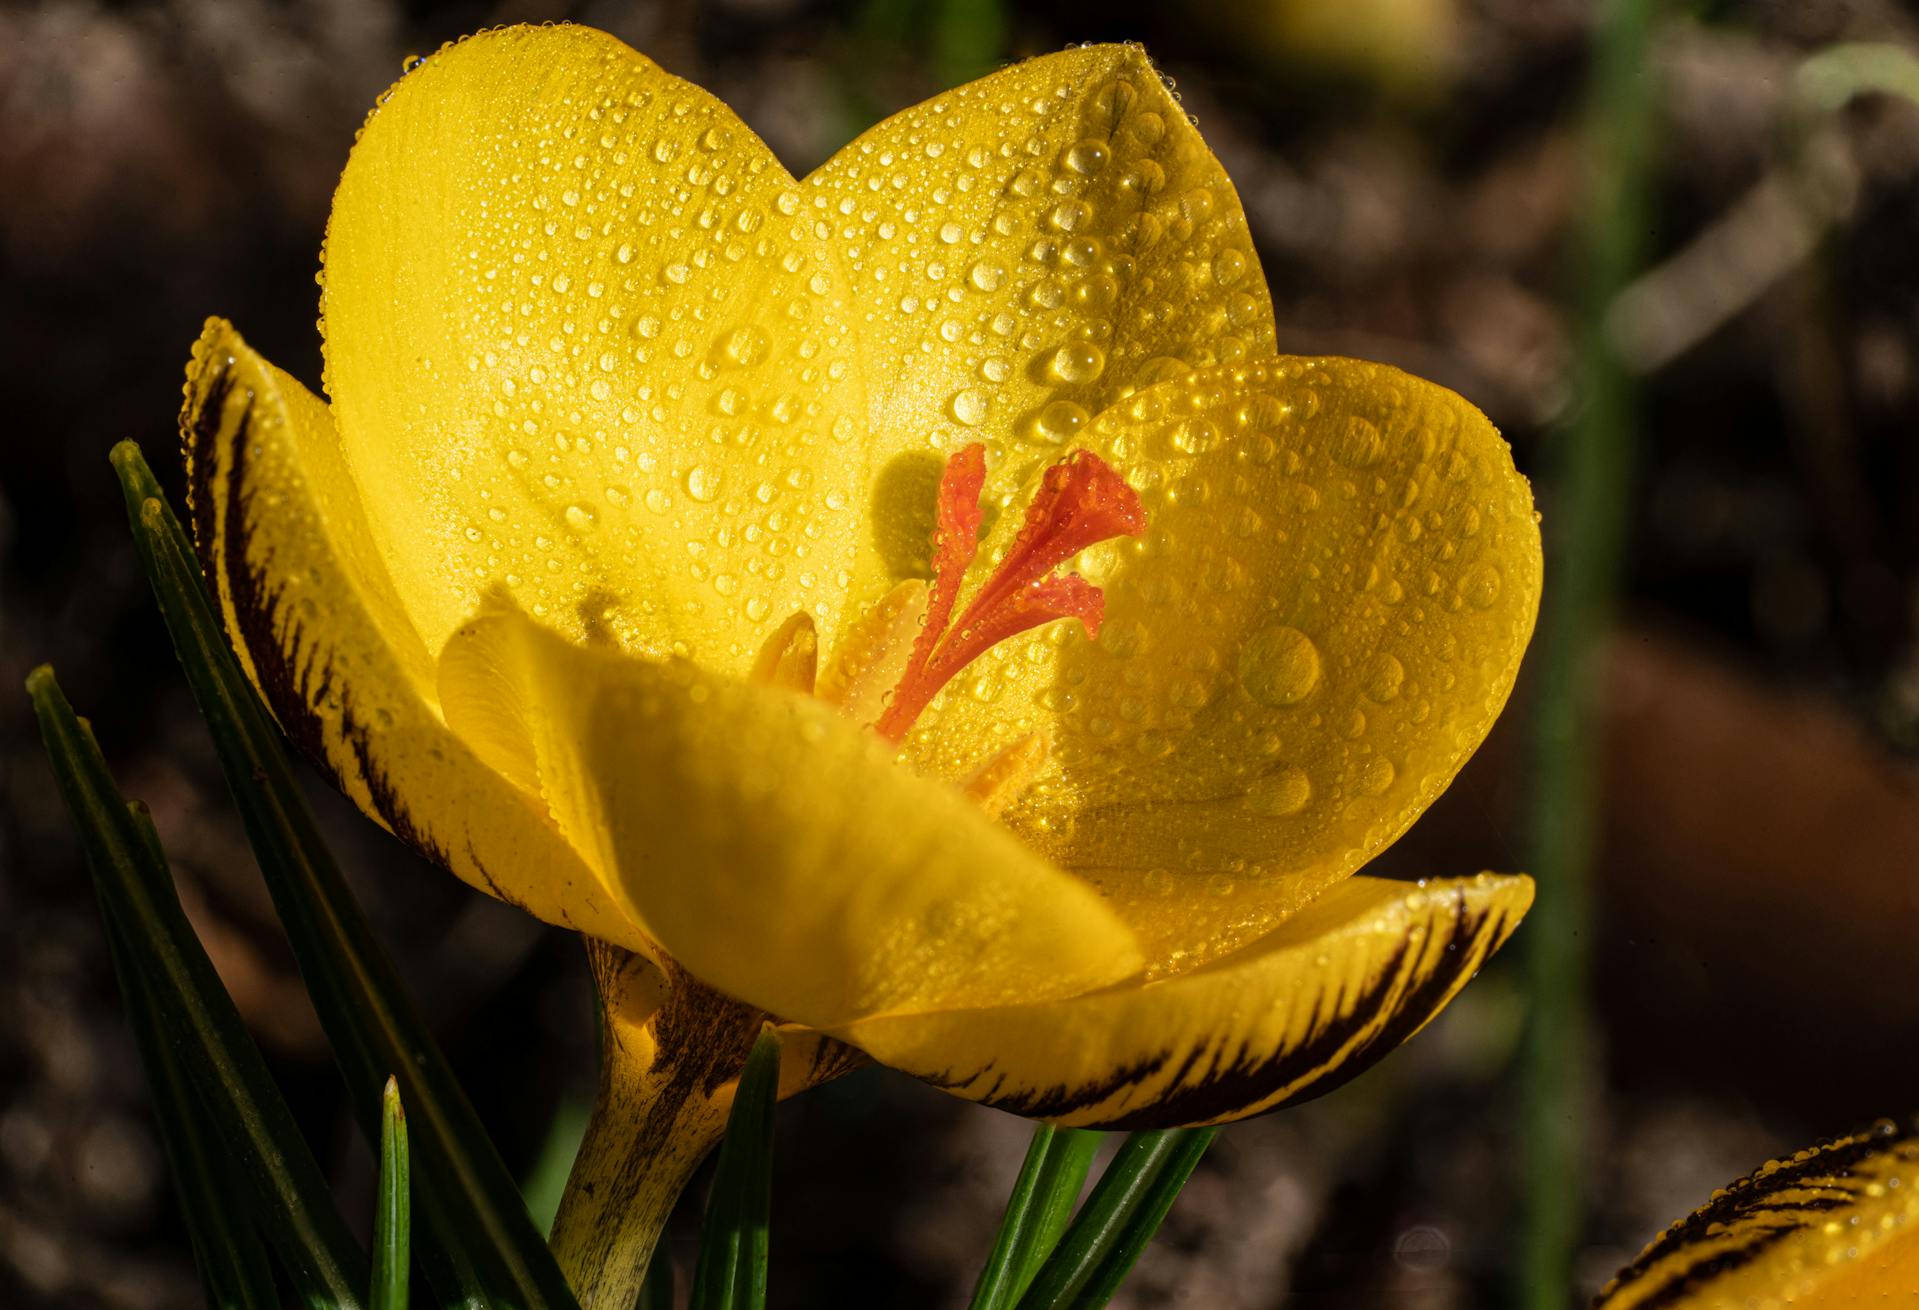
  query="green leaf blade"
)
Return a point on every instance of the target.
[
  {"x": 1111, "y": 1221},
  {"x": 393, "y": 1219},
  {"x": 734, "y": 1234},
  {"x": 226, "y": 1246},
  {"x": 165, "y": 959},
  {"x": 480, "y": 1243},
  {"x": 1037, "y": 1211},
  {"x": 1060, "y": 1184},
  {"x": 1138, "y": 1230}
]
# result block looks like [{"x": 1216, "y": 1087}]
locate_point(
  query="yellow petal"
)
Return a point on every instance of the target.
[
  {"x": 770, "y": 846},
  {"x": 1831, "y": 1228},
  {"x": 1291, "y": 1016},
  {"x": 305, "y": 597},
  {"x": 1338, "y": 579},
  {"x": 582, "y": 345},
  {"x": 1024, "y": 250}
]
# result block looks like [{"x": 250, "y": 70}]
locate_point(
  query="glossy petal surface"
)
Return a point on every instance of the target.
[
  {"x": 769, "y": 845},
  {"x": 580, "y": 349},
  {"x": 304, "y": 593},
  {"x": 615, "y": 397},
  {"x": 1831, "y": 1228},
  {"x": 1338, "y": 578},
  {"x": 1022, "y": 251},
  {"x": 1310, "y": 1005}
]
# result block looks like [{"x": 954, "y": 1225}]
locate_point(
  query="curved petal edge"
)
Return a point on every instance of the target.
[
  {"x": 299, "y": 586},
  {"x": 1831, "y": 1227},
  {"x": 1291, "y": 1016}
]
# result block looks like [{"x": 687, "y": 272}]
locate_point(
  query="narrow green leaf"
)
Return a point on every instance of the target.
[
  {"x": 226, "y": 1246},
  {"x": 393, "y": 1220},
  {"x": 166, "y": 960},
  {"x": 1037, "y": 1212},
  {"x": 1060, "y": 1183},
  {"x": 1138, "y": 1231},
  {"x": 731, "y": 1273},
  {"x": 996, "y": 1279},
  {"x": 1123, "y": 1195},
  {"x": 545, "y": 1182},
  {"x": 479, "y": 1243}
]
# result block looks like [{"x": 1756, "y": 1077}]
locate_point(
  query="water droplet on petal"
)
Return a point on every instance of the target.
[
  {"x": 1358, "y": 443},
  {"x": 969, "y": 407},
  {"x": 1057, "y": 422},
  {"x": 1280, "y": 666},
  {"x": 1280, "y": 794},
  {"x": 1076, "y": 362},
  {"x": 1384, "y": 677},
  {"x": 1087, "y": 157},
  {"x": 703, "y": 484},
  {"x": 1481, "y": 587}
]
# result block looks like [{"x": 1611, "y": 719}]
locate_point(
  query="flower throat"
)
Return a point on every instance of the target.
[{"x": 1081, "y": 502}]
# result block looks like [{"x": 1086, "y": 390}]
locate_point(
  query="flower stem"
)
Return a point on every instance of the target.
[{"x": 671, "y": 1054}]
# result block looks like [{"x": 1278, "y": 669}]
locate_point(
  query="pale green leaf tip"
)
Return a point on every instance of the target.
[{"x": 41, "y": 682}]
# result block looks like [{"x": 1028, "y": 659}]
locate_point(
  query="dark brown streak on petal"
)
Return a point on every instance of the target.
[
  {"x": 1314, "y": 1067},
  {"x": 386, "y": 797},
  {"x": 201, "y": 438},
  {"x": 293, "y": 672},
  {"x": 1052, "y": 1102},
  {"x": 224, "y": 562},
  {"x": 1761, "y": 1204},
  {"x": 832, "y": 1059},
  {"x": 492, "y": 884}
]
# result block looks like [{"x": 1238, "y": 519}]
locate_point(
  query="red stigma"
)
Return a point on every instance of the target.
[{"x": 1082, "y": 501}]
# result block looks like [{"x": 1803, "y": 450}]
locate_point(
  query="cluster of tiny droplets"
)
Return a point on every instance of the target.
[{"x": 677, "y": 463}]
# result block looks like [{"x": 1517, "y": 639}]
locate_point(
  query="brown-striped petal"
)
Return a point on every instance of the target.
[{"x": 1293, "y": 1015}]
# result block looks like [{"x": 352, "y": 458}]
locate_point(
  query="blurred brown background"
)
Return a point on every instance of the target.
[{"x": 1411, "y": 171}]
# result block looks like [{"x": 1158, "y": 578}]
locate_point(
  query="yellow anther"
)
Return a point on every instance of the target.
[
  {"x": 873, "y": 655},
  {"x": 790, "y": 658},
  {"x": 998, "y": 782}
]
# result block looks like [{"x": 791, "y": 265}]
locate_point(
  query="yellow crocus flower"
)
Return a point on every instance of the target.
[
  {"x": 1834, "y": 1227},
  {"x": 680, "y": 557}
]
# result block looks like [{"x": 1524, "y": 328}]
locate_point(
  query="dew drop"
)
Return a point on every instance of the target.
[
  {"x": 969, "y": 407},
  {"x": 986, "y": 276},
  {"x": 1057, "y": 422},
  {"x": 743, "y": 346},
  {"x": 1076, "y": 362},
  {"x": 1279, "y": 666},
  {"x": 1384, "y": 677},
  {"x": 1228, "y": 267},
  {"x": 703, "y": 484},
  {"x": 1481, "y": 587},
  {"x": 1070, "y": 215},
  {"x": 1087, "y": 157},
  {"x": 1280, "y": 794},
  {"x": 1358, "y": 443},
  {"x": 1376, "y": 776},
  {"x": 581, "y": 518}
]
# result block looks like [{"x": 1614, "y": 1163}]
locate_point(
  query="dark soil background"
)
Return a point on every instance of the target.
[{"x": 1411, "y": 170}]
